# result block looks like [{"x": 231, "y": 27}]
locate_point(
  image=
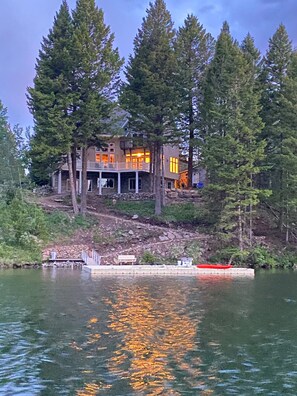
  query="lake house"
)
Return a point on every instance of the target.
[{"x": 122, "y": 166}]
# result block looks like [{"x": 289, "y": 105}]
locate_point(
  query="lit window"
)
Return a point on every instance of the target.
[{"x": 173, "y": 165}]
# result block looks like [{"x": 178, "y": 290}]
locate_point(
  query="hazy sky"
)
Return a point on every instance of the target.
[{"x": 23, "y": 23}]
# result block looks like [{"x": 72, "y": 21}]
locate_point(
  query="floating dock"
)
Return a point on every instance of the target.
[{"x": 173, "y": 270}]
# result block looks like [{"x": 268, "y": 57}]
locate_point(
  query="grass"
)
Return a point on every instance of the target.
[
  {"x": 65, "y": 224},
  {"x": 183, "y": 213},
  {"x": 10, "y": 255}
]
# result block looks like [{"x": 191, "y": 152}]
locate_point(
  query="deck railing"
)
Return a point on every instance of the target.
[
  {"x": 112, "y": 166},
  {"x": 96, "y": 257}
]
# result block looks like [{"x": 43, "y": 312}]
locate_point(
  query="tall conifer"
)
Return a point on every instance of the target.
[
  {"x": 96, "y": 75},
  {"x": 275, "y": 69},
  {"x": 194, "y": 49},
  {"x": 231, "y": 125},
  {"x": 288, "y": 155},
  {"x": 11, "y": 169},
  {"x": 51, "y": 99},
  {"x": 149, "y": 94}
]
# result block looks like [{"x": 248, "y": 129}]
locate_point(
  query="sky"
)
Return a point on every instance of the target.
[{"x": 23, "y": 23}]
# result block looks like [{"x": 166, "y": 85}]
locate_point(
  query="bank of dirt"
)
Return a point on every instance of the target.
[{"x": 115, "y": 234}]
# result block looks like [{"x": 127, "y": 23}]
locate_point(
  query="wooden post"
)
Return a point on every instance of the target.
[
  {"x": 60, "y": 182},
  {"x": 119, "y": 183},
  {"x": 100, "y": 184},
  {"x": 136, "y": 183},
  {"x": 79, "y": 182}
]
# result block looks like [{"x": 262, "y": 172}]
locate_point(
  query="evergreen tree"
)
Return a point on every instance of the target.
[
  {"x": 274, "y": 72},
  {"x": 11, "y": 166},
  {"x": 149, "y": 94},
  {"x": 252, "y": 55},
  {"x": 231, "y": 123},
  {"x": 96, "y": 79},
  {"x": 194, "y": 48},
  {"x": 288, "y": 155},
  {"x": 51, "y": 101}
]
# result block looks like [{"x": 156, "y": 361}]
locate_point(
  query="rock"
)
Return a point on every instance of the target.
[
  {"x": 163, "y": 238},
  {"x": 131, "y": 232},
  {"x": 170, "y": 235},
  {"x": 135, "y": 217}
]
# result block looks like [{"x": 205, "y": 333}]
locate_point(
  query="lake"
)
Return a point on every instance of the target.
[{"x": 64, "y": 333}]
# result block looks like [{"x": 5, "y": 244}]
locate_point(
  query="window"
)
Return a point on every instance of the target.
[
  {"x": 169, "y": 185},
  {"x": 173, "y": 165},
  {"x": 138, "y": 156},
  {"x": 104, "y": 158},
  {"x": 132, "y": 184},
  {"x": 106, "y": 183}
]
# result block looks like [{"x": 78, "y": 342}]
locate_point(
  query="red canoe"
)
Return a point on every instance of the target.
[{"x": 214, "y": 266}]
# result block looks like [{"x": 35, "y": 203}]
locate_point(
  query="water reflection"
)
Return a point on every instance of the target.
[
  {"x": 67, "y": 335},
  {"x": 156, "y": 335}
]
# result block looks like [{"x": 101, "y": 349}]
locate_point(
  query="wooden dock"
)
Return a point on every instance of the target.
[{"x": 172, "y": 270}]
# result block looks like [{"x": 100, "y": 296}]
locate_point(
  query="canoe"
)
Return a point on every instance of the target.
[{"x": 214, "y": 266}]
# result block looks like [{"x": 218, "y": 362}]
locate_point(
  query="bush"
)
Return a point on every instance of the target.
[
  {"x": 147, "y": 258},
  {"x": 17, "y": 255},
  {"x": 256, "y": 257}
]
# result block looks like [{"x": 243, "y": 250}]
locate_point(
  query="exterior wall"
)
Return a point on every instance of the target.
[
  {"x": 145, "y": 181},
  {"x": 170, "y": 151}
]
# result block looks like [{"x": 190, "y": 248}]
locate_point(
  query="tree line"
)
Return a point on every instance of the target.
[{"x": 216, "y": 97}]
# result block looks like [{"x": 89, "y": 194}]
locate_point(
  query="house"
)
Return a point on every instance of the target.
[
  {"x": 124, "y": 165},
  {"x": 198, "y": 175}
]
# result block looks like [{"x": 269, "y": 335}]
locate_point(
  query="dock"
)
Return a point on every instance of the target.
[{"x": 173, "y": 270}]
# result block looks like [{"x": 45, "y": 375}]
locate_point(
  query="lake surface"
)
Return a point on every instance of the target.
[{"x": 64, "y": 333}]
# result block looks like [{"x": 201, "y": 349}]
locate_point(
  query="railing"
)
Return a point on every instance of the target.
[
  {"x": 94, "y": 260},
  {"x": 96, "y": 257},
  {"x": 113, "y": 166}
]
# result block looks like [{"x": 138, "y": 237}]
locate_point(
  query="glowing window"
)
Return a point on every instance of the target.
[{"x": 173, "y": 165}]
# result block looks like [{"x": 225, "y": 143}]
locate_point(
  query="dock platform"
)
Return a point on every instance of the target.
[{"x": 172, "y": 270}]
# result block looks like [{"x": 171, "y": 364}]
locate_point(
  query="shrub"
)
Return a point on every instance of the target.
[{"x": 147, "y": 258}]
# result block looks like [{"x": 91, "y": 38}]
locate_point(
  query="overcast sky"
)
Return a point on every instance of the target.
[{"x": 23, "y": 23}]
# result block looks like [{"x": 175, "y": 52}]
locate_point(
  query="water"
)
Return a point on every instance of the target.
[{"x": 63, "y": 333}]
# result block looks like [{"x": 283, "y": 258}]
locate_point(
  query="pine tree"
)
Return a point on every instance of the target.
[
  {"x": 194, "y": 49},
  {"x": 253, "y": 57},
  {"x": 288, "y": 155},
  {"x": 96, "y": 79},
  {"x": 231, "y": 123},
  {"x": 51, "y": 99},
  {"x": 275, "y": 68},
  {"x": 11, "y": 166},
  {"x": 149, "y": 94}
]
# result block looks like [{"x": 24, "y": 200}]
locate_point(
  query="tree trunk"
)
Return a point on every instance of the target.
[
  {"x": 73, "y": 156},
  {"x": 191, "y": 150},
  {"x": 281, "y": 198},
  {"x": 154, "y": 169},
  {"x": 72, "y": 184},
  {"x": 240, "y": 235},
  {"x": 84, "y": 187},
  {"x": 157, "y": 173},
  {"x": 251, "y": 225},
  {"x": 151, "y": 169},
  {"x": 163, "y": 180}
]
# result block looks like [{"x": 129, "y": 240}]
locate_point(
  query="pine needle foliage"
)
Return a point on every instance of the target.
[
  {"x": 150, "y": 92},
  {"x": 231, "y": 125}
]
